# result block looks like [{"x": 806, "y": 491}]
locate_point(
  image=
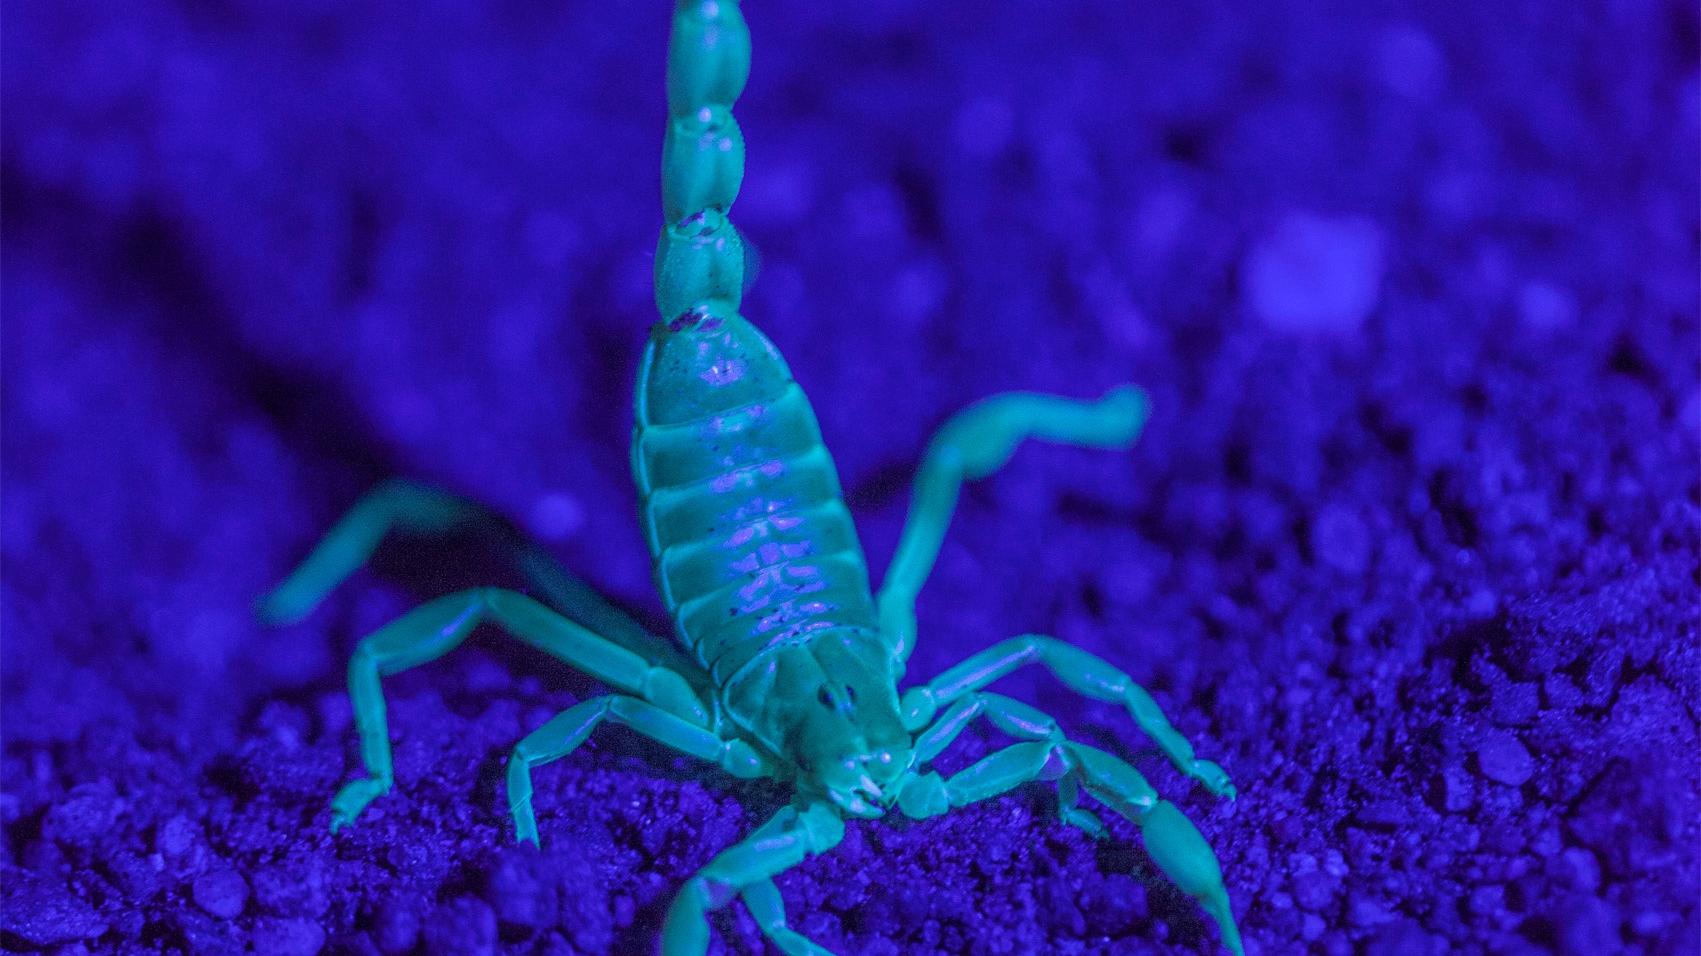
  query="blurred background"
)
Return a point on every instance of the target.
[{"x": 1410, "y": 544}]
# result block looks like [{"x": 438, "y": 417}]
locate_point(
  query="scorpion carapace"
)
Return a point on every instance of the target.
[{"x": 785, "y": 663}]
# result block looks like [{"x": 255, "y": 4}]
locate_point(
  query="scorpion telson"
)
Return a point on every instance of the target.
[{"x": 785, "y": 663}]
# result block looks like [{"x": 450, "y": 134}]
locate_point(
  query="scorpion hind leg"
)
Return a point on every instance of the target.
[{"x": 401, "y": 505}]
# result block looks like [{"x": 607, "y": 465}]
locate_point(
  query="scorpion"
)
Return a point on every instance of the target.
[{"x": 786, "y": 663}]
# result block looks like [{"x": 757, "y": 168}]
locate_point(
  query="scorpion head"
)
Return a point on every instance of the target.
[{"x": 831, "y": 708}]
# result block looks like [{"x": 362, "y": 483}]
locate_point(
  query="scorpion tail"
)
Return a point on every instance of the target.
[{"x": 1178, "y": 848}]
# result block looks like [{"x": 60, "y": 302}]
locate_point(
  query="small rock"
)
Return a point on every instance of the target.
[
  {"x": 43, "y": 914},
  {"x": 1502, "y": 757},
  {"x": 1311, "y": 927},
  {"x": 85, "y": 817},
  {"x": 1561, "y": 692},
  {"x": 203, "y": 936},
  {"x": 1341, "y": 540},
  {"x": 1401, "y": 938},
  {"x": 1313, "y": 891},
  {"x": 395, "y": 927},
  {"x": 221, "y": 892},
  {"x": 288, "y": 937},
  {"x": 1546, "y": 307},
  {"x": 295, "y": 888},
  {"x": 176, "y": 836},
  {"x": 1488, "y": 901},
  {"x": 1411, "y": 63},
  {"x": 1587, "y": 925},
  {"x": 1453, "y": 789},
  {"x": 522, "y": 892},
  {"x": 1315, "y": 274},
  {"x": 556, "y": 516},
  {"x": 464, "y": 927},
  {"x": 1364, "y": 911},
  {"x": 1514, "y": 704},
  {"x": 1579, "y": 868}
]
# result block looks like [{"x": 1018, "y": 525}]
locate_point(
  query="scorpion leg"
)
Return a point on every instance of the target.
[
  {"x": 418, "y": 509},
  {"x": 1084, "y": 673},
  {"x": 567, "y": 730},
  {"x": 399, "y": 505},
  {"x": 1172, "y": 840},
  {"x": 1018, "y": 720},
  {"x": 775, "y": 847},
  {"x": 437, "y": 627},
  {"x": 976, "y": 442},
  {"x": 763, "y": 899}
]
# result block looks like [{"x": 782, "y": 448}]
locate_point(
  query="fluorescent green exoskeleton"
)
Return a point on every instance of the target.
[{"x": 787, "y": 664}]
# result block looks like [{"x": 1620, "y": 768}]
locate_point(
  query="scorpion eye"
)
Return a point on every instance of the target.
[
  {"x": 850, "y": 693},
  {"x": 825, "y": 696}
]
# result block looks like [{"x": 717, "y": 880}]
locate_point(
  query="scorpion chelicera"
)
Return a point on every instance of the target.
[{"x": 788, "y": 664}]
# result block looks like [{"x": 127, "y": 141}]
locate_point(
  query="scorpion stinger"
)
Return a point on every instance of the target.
[{"x": 786, "y": 665}]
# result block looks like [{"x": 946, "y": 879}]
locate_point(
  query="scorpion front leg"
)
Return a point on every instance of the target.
[
  {"x": 1171, "y": 839},
  {"x": 1084, "y": 673},
  {"x": 976, "y": 442},
  {"x": 749, "y": 868},
  {"x": 570, "y": 728},
  {"x": 433, "y": 629}
]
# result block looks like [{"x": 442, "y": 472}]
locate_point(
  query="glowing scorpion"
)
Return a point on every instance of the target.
[{"x": 792, "y": 663}]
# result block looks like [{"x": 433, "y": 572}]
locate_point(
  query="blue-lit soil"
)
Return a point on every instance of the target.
[{"x": 1410, "y": 544}]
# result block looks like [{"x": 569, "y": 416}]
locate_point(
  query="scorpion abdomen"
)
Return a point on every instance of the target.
[{"x": 752, "y": 546}]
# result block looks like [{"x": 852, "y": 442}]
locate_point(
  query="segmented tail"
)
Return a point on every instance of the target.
[{"x": 700, "y": 257}]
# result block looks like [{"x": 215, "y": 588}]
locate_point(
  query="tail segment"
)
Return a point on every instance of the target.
[{"x": 700, "y": 257}]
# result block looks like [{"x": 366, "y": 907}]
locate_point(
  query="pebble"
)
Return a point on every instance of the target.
[
  {"x": 85, "y": 817},
  {"x": 1411, "y": 63},
  {"x": 175, "y": 836},
  {"x": 1488, "y": 900},
  {"x": 1315, "y": 273},
  {"x": 1502, "y": 757},
  {"x": 288, "y": 937},
  {"x": 395, "y": 927},
  {"x": 1580, "y": 868},
  {"x": 1514, "y": 704},
  {"x": 1546, "y": 307},
  {"x": 295, "y": 888},
  {"x": 464, "y": 927},
  {"x": 1364, "y": 911},
  {"x": 1341, "y": 540},
  {"x": 42, "y": 914},
  {"x": 221, "y": 892},
  {"x": 1454, "y": 789},
  {"x": 1313, "y": 891},
  {"x": 1401, "y": 938},
  {"x": 522, "y": 892},
  {"x": 1587, "y": 925}
]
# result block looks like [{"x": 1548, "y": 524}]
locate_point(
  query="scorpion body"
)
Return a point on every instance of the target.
[
  {"x": 752, "y": 545},
  {"x": 786, "y": 663}
]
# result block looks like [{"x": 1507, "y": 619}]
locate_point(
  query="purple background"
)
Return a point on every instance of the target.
[{"x": 1410, "y": 544}]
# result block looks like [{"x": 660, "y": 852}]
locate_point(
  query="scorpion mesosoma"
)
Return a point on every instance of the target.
[{"x": 791, "y": 663}]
